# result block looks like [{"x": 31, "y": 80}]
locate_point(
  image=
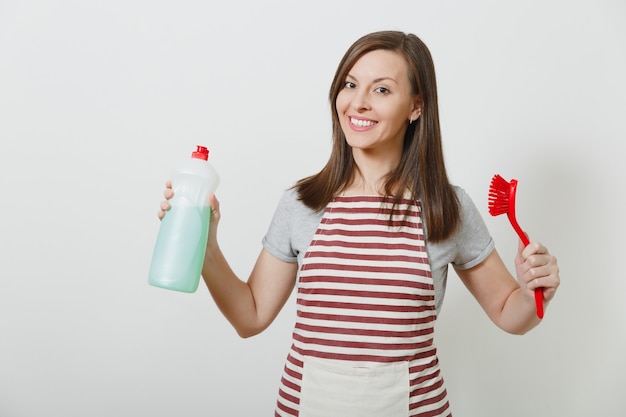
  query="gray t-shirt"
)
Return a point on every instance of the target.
[{"x": 294, "y": 224}]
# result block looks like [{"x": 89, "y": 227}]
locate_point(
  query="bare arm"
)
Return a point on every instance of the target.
[
  {"x": 249, "y": 306},
  {"x": 510, "y": 303}
]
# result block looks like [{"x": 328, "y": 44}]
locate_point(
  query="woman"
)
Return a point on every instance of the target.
[{"x": 369, "y": 239}]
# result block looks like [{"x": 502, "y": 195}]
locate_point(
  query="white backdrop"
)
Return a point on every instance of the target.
[{"x": 100, "y": 99}]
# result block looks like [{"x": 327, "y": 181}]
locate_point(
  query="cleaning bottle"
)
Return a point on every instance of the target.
[{"x": 181, "y": 242}]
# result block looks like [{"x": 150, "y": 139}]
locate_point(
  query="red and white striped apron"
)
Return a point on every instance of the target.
[{"x": 363, "y": 338}]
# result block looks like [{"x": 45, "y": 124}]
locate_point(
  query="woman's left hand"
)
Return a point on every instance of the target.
[{"x": 537, "y": 268}]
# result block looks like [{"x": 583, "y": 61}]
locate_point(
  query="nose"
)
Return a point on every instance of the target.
[{"x": 360, "y": 100}]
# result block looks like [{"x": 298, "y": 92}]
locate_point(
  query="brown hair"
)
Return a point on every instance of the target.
[{"x": 421, "y": 169}]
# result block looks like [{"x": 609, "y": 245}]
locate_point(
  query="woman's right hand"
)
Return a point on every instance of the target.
[
  {"x": 165, "y": 205},
  {"x": 168, "y": 193}
]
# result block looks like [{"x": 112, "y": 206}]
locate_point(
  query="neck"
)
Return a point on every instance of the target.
[
  {"x": 362, "y": 186},
  {"x": 371, "y": 173}
]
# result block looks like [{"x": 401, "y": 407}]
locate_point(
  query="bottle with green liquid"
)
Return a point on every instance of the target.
[{"x": 181, "y": 242}]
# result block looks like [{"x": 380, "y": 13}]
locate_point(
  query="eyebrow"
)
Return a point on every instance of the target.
[{"x": 377, "y": 80}]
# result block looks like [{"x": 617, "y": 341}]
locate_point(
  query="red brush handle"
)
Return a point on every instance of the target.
[
  {"x": 525, "y": 241},
  {"x": 539, "y": 301}
]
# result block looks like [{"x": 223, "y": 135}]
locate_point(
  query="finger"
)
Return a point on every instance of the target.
[
  {"x": 523, "y": 251},
  {"x": 541, "y": 272},
  {"x": 544, "y": 275},
  {"x": 520, "y": 246},
  {"x": 549, "y": 284},
  {"x": 214, "y": 202},
  {"x": 548, "y": 293},
  {"x": 534, "y": 248},
  {"x": 538, "y": 266},
  {"x": 538, "y": 261},
  {"x": 215, "y": 206},
  {"x": 165, "y": 206},
  {"x": 168, "y": 184},
  {"x": 168, "y": 193}
]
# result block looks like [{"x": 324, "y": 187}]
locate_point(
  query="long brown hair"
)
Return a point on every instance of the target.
[{"x": 421, "y": 169}]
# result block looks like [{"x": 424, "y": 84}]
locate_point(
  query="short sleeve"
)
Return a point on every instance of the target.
[
  {"x": 292, "y": 228},
  {"x": 473, "y": 241},
  {"x": 277, "y": 240}
]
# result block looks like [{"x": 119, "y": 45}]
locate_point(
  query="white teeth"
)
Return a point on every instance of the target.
[{"x": 361, "y": 123}]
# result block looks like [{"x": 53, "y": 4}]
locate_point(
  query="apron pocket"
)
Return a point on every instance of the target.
[{"x": 329, "y": 390}]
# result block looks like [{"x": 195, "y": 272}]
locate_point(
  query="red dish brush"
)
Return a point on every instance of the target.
[{"x": 502, "y": 200}]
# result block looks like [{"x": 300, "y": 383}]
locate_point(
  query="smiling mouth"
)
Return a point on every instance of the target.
[{"x": 361, "y": 122}]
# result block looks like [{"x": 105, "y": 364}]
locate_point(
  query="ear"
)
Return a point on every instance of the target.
[{"x": 417, "y": 108}]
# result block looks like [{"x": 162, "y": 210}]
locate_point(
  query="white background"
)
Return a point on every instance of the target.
[{"x": 100, "y": 99}]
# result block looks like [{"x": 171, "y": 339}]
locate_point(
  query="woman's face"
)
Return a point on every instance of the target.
[{"x": 376, "y": 102}]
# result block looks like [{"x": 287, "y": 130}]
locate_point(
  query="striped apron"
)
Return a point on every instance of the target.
[{"x": 363, "y": 339}]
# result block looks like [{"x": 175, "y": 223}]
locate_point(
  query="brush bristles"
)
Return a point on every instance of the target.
[{"x": 499, "y": 193}]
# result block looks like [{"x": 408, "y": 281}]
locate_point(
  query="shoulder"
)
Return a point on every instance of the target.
[
  {"x": 292, "y": 215},
  {"x": 292, "y": 227},
  {"x": 467, "y": 207},
  {"x": 472, "y": 239},
  {"x": 469, "y": 210},
  {"x": 471, "y": 242},
  {"x": 462, "y": 195},
  {"x": 291, "y": 205}
]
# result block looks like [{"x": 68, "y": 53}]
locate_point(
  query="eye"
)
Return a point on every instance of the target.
[
  {"x": 382, "y": 90},
  {"x": 349, "y": 84}
]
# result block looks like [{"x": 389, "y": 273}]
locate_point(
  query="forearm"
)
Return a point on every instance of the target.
[
  {"x": 232, "y": 296},
  {"x": 501, "y": 295},
  {"x": 518, "y": 314}
]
